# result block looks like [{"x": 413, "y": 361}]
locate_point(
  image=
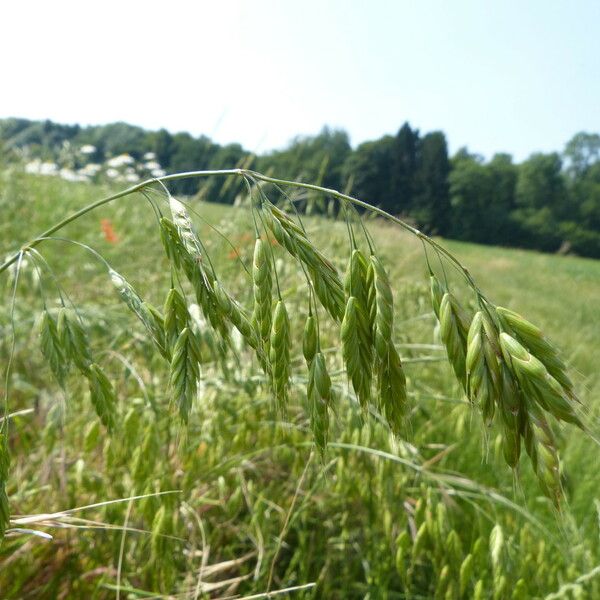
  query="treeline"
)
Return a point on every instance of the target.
[{"x": 549, "y": 202}]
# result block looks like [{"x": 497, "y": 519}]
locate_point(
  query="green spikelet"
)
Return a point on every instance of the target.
[
  {"x": 391, "y": 381},
  {"x": 262, "y": 286},
  {"x": 482, "y": 367},
  {"x": 205, "y": 296},
  {"x": 403, "y": 544},
  {"x": 391, "y": 385},
  {"x": 384, "y": 309},
  {"x": 537, "y": 383},
  {"x": 511, "y": 407},
  {"x": 73, "y": 340},
  {"x": 141, "y": 309},
  {"x": 160, "y": 527},
  {"x": 52, "y": 348},
  {"x": 280, "y": 355},
  {"x": 465, "y": 574},
  {"x": 236, "y": 315},
  {"x": 4, "y": 467},
  {"x": 538, "y": 345},
  {"x": 176, "y": 317},
  {"x": 541, "y": 447},
  {"x": 356, "y": 286},
  {"x": 319, "y": 397},
  {"x": 454, "y": 328},
  {"x": 323, "y": 274},
  {"x": 185, "y": 371},
  {"x": 187, "y": 232},
  {"x": 184, "y": 242},
  {"x": 310, "y": 340},
  {"x": 351, "y": 349},
  {"x": 172, "y": 243},
  {"x": 437, "y": 293},
  {"x": 102, "y": 396}
]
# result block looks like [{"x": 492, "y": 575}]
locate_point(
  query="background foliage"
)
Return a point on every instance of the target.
[{"x": 549, "y": 202}]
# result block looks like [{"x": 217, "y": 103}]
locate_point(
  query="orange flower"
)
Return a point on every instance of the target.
[{"x": 109, "y": 232}]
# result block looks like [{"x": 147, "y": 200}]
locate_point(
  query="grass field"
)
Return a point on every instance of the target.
[{"x": 253, "y": 507}]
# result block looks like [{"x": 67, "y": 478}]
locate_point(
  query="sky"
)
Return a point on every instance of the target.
[{"x": 496, "y": 76}]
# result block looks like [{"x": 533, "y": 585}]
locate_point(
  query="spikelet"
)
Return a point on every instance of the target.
[
  {"x": 537, "y": 383},
  {"x": 185, "y": 227},
  {"x": 437, "y": 293},
  {"x": 141, "y": 309},
  {"x": 351, "y": 349},
  {"x": 454, "y": 328},
  {"x": 4, "y": 466},
  {"x": 511, "y": 408},
  {"x": 176, "y": 317},
  {"x": 185, "y": 371},
  {"x": 482, "y": 367},
  {"x": 323, "y": 274},
  {"x": 319, "y": 398},
  {"x": 172, "y": 242},
  {"x": 280, "y": 354},
  {"x": 538, "y": 345},
  {"x": 102, "y": 396},
  {"x": 465, "y": 574},
  {"x": 541, "y": 447},
  {"x": 52, "y": 348},
  {"x": 356, "y": 286},
  {"x": 391, "y": 385},
  {"x": 73, "y": 340},
  {"x": 181, "y": 241},
  {"x": 391, "y": 381},
  {"x": 310, "y": 339},
  {"x": 236, "y": 315},
  {"x": 384, "y": 309},
  {"x": 262, "y": 287}
]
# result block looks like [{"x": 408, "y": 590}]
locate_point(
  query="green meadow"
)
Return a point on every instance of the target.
[{"x": 238, "y": 502}]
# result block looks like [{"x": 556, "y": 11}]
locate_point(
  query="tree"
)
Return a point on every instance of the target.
[
  {"x": 431, "y": 200},
  {"x": 404, "y": 167},
  {"x": 369, "y": 169},
  {"x": 581, "y": 152}
]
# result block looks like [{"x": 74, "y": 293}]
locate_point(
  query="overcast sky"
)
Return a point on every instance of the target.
[{"x": 512, "y": 76}]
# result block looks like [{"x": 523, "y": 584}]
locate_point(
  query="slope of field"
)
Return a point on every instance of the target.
[{"x": 254, "y": 507}]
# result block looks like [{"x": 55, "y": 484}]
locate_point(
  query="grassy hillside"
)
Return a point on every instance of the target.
[{"x": 254, "y": 507}]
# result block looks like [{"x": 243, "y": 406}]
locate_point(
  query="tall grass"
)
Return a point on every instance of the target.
[{"x": 254, "y": 507}]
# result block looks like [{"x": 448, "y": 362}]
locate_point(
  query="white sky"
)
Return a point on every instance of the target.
[{"x": 496, "y": 76}]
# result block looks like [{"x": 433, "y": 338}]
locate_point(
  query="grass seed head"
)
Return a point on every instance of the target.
[
  {"x": 185, "y": 371},
  {"x": 73, "y": 340},
  {"x": 454, "y": 327},
  {"x": 102, "y": 396},
  {"x": 391, "y": 385},
  {"x": 482, "y": 367},
  {"x": 324, "y": 276},
  {"x": 351, "y": 350},
  {"x": 437, "y": 293},
  {"x": 537, "y": 383},
  {"x": 52, "y": 348},
  {"x": 384, "y": 309},
  {"x": 262, "y": 286},
  {"x": 176, "y": 317},
  {"x": 310, "y": 340},
  {"x": 319, "y": 398},
  {"x": 541, "y": 447},
  {"x": 537, "y": 344},
  {"x": 280, "y": 355}
]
